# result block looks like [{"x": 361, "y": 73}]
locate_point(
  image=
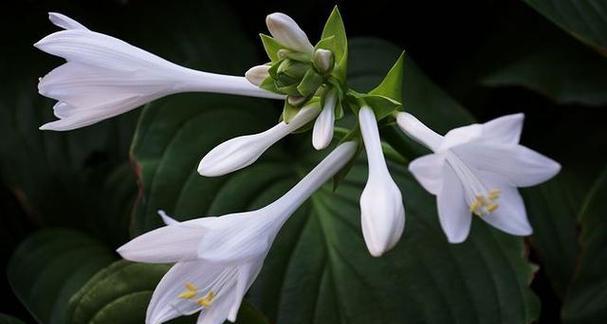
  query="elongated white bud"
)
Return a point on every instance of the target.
[
  {"x": 286, "y": 31},
  {"x": 257, "y": 74},
  {"x": 381, "y": 203},
  {"x": 323, "y": 126},
  {"x": 418, "y": 131},
  {"x": 242, "y": 151}
]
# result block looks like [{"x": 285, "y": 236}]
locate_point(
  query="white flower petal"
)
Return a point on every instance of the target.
[
  {"x": 217, "y": 313},
  {"x": 381, "y": 202},
  {"x": 165, "y": 303},
  {"x": 247, "y": 273},
  {"x": 461, "y": 135},
  {"x": 242, "y": 151},
  {"x": 506, "y": 129},
  {"x": 428, "y": 171},
  {"x": 516, "y": 164},
  {"x": 286, "y": 31},
  {"x": 453, "y": 212},
  {"x": 322, "y": 133},
  {"x": 510, "y": 216},
  {"x": 418, "y": 131},
  {"x": 177, "y": 242},
  {"x": 64, "y": 21}
]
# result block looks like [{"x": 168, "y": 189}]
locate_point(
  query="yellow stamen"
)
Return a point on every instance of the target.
[
  {"x": 494, "y": 194},
  {"x": 190, "y": 286},
  {"x": 492, "y": 207},
  {"x": 190, "y": 291},
  {"x": 207, "y": 300},
  {"x": 475, "y": 206}
]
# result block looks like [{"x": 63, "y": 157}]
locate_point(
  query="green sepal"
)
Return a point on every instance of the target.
[
  {"x": 290, "y": 90},
  {"x": 271, "y": 46},
  {"x": 269, "y": 84},
  {"x": 334, "y": 27},
  {"x": 292, "y": 68},
  {"x": 381, "y": 105},
  {"x": 310, "y": 83},
  {"x": 297, "y": 56},
  {"x": 392, "y": 85},
  {"x": 289, "y": 111}
]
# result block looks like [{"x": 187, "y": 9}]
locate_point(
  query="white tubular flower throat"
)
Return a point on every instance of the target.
[
  {"x": 105, "y": 77},
  {"x": 242, "y": 151},
  {"x": 218, "y": 258},
  {"x": 381, "y": 203},
  {"x": 475, "y": 169}
]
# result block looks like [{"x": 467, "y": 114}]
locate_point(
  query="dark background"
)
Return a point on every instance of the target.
[{"x": 455, "y": 42}]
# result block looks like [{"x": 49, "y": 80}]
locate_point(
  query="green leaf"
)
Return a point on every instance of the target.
[
  {"x": 585, "y": 20},
  {"x": 586, "y": 300},
  {"x": 552, "y": 209},
  {"x": 117, "y": 294},
  {"x": 50, "y": 266},
  {"x": 562, "y": 71},
  {"x": 392, "y": 85},
  {"x": 271, "y": 46},
  {"x": 318, "y": 270},
  {"x": 335, "y": 29},
  {"x": 7, "y": 319}
]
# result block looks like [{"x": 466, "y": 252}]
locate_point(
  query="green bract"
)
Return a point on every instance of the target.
[{"x": 303, "y": 78}]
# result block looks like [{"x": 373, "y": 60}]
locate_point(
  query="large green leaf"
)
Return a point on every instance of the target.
[
  {"x": 50, "y": 266},
  {"x": 564, "y": 71},
  {"x": 552, "y": 209},
  {"x": 586, "y": 301},
  {"x": 319, "y": 270},
  {"x": 586, "y": 20}
]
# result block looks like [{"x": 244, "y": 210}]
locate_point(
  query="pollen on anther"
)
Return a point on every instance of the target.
[
  {"x": 190, "y": 291},
  {"x": 207, "y": 300}
]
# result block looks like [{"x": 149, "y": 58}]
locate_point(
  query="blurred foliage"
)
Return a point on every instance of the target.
[{"x": 318, "y": 271}]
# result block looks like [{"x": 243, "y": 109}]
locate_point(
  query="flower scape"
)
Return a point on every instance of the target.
[{"x": 472, "y": 170}]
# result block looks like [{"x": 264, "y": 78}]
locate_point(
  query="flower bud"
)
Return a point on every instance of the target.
[
  {"x": 310, "y": 83},
  {"x": 257, "y": 74},
  {"x": 323, "y": 126},
  {"x": 323, "y": 60},
  {"x": 242, "y": 151},
  {"x": 381, "y": 203},
  {"x": 286, "y": 31},
  {"x": 296, "y": 100}
]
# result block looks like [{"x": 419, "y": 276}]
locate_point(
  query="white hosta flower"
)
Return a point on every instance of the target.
[
  {"x": 475, "y": 169},
  {"x": 286, "y": 31},
  {"x": 381, "y": 203},
  {"x": 242, "y": 151},
  {"x": 218, "y": 258},
  {"x": 105, "y": 77},
  {"x": 322, "y": 133}
]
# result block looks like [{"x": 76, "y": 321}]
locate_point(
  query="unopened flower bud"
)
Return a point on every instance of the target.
[
  {"x": 257, "y": 74},
  {"x": 286, "y": 31},
  {"x": 296, "y": 100},
  {"x": 323, "y": 60}
]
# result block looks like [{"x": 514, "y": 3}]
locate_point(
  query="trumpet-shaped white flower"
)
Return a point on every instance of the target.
[
  {"x": 105, "y": 77},
  {"x": 475, "y": 169},
  {"x": 218, "y": 258},
  {"x": 242, "y": 151},
  {"x": 286, "y": 31},
  {"x": 322, "y": 133},
  {"x": 381, "y": 203}
]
